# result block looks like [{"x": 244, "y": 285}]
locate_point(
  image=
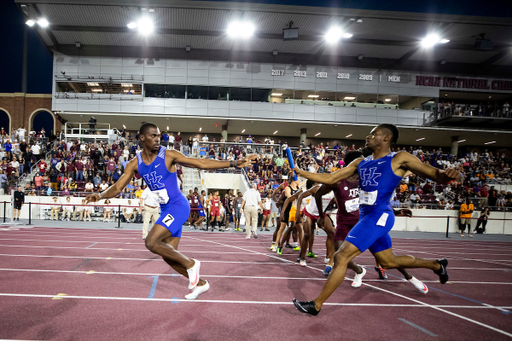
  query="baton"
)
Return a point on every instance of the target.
[{"x": 290, "y": 161}]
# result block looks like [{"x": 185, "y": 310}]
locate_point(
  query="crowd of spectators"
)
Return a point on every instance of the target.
[
  {"x": 447, "y": 109},
  {"x": 75, "y": 168}
]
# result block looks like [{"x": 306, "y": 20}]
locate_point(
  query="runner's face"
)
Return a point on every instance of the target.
[
  {"x": 152, "y": 139},
  {"x": 374, "y": 139}
]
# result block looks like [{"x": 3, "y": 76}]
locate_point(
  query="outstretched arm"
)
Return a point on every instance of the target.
[
  {"x": 290, "y": 199},
  {"x": 276, "y": 192},
  {"x": 405, "y": 161},
  {"x": 301, "y": 197},
  {"x": 115, "y": 189},
  {"x": 178, "y": 157},
  {"x": 331, "y": 178}
]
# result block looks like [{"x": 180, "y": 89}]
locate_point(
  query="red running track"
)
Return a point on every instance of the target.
[{"x": 81, "y": 284}]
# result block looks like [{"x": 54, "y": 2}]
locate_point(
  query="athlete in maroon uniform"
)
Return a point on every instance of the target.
[
  {"x": 346, "y": 193},
  {"x": 215, "y": 210}
]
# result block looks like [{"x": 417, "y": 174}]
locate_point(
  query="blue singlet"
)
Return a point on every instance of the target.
[{"x": 174, "y": 206}]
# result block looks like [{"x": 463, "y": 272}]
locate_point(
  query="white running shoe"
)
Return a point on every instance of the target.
[
  {"x": 193, "y": 274},
  {"x": 273, "y": 248},
  {"x": 419, "y": 285},
  {"x": 247, "y": 237},
  {"x": 327, "y": 260},
  {"x": 358, "y": 279},
  {"x": 198, "y": 291},
  {"x": 302, "y": 262}
]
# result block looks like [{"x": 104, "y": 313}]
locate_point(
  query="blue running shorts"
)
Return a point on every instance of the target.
[
  {"x": 174, "y": 214},
  {"x": 372, "y": 232}
]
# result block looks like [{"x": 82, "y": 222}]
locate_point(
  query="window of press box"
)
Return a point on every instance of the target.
[
  {"x": 240, "y": 94},
  {"x": 197, "y": 92},
  {"x": 95, "y": 87},
  {"x": 261, "y": 95},
  {"x": 218, "y": 92}
]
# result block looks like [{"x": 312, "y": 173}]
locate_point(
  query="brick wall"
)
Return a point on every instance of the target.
[{"x": 20, "y": 106}]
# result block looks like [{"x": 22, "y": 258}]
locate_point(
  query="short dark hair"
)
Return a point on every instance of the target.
[
  {"x": 351, "y": 156},
  {"x": 144, "y": 128},
  {"x": 392, "y": 129}
]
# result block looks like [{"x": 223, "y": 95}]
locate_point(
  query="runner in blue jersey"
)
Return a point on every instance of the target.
[
  {"x": 157, "y": 166},
  {"x": 379, "y": 175}
]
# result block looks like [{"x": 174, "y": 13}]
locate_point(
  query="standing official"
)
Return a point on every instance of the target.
[
  {"x": 252, "y": 200},
  {"x": 19, "y": 200}
]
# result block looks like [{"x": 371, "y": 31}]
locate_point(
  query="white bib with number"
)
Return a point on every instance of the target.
[
  {"x": 367, "y": 198},
  {"x": 352, "y": 205},
  {"x": 161, "y": 196}
]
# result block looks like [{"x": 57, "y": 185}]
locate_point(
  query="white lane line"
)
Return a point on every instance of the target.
[
  {"x": 232, "y": 276},
  {"x": 120, "y": 249},
  {"x": 139, "y": 259},
  {"x": 242, "y": 302},
  {"x": 438, "y": 254},
  {"x": 136, "y": 242},
  {"x": 400, "y": 295}
]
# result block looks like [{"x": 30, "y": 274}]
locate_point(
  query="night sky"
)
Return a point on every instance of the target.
[{"x": 12, "y": 23}]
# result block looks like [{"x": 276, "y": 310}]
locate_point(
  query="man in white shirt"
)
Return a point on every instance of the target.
[
  {"x": 171, "y": 142},
  {"x": 104, "y": 186},
  {"x": 205, "y": 138},
  {"x": 21, "y": 133},
  {"x": 252, "y": 200},
  {"x": 128, "y": 212},
  {"x": 36, "y": 150},
  {"x": 149, "y": 207},
  {"x": 55, "y": 209}
]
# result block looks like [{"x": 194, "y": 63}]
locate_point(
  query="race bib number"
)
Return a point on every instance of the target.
[
  {"x": 168, "y": 220},
  {"x": 216, "y": 205},
  {"x": 352, "y": 205},
  {"x": 367, "y": 198},
  {"x": 161, "y": 196}
]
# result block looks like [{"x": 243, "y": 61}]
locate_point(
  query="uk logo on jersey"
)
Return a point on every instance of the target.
[
  {"x": 153, "y": 180},
  {"x": 369, "y": 176}
]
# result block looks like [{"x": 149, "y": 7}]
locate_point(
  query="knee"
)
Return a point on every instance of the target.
[
  {"x": 388, "y": 264},
  {"x": 151, "y": 244}
]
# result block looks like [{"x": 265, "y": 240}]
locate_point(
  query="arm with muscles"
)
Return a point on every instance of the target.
[
  {"x": 303, "y": 195},
  {"x": 115, "y": 189},
  {"x": 331, "y": 178},
  {"x": 289, "y": 200},
  {"x": 403, "y": 162},
  {"x": 177, "y": 157},
  {"x": 276, "y": 192},
  {"x": 323, "y": 190}
]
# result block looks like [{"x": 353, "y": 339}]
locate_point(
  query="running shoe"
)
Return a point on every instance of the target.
[
  {"x": 327, "y": 270},
  {"x": 297, "y": 248},
  {"x": 279, "y": 250},
  {"x": 255, "y": 235},
  {"x": 298, "y": 259},
  {"x": 302, "y": 262},
  {"x": 288, "y": 246},
  {"x": 312, "y": 255},
  {"x": 193, "y": 274},
  {"x": 306, "y": 307},
  {"x": 358, "y": 279},
  {"x": 382, "y": 273},
  {"x": 272, "y": 247},
  {"x": 247, "y": 237},
  {"x": 442, "y": 272},
  {"x": 198, "y": 291},
  {"x": 419, "y": 285},
  {"x": 327, "y": 260}
]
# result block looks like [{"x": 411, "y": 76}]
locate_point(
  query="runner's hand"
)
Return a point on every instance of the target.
[
  {"x": 246, "y": 161},
  {"x": 320, "y": 221},
  {"x": 92, "y": 198}
]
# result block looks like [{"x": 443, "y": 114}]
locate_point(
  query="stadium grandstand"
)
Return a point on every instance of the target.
[{"x": 264, "y": 86}]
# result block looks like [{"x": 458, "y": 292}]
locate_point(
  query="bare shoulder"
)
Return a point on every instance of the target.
[{"x": 132, "y": 166}]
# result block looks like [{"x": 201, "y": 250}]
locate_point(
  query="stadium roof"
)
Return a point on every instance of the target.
[{"x": 385, "y": 39}]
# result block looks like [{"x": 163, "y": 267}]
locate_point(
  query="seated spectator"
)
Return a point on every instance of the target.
[
  {"x": 67, "y": 209},
  {"x": 55, "y": 209},
  {"x": 89, "y": 187},
  {"x": 128, "y": 212},
  {"x": 103, "y": 186},
  {"x": 107, "y": 212}
]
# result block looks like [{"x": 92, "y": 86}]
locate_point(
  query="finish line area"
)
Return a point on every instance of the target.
[{"x": 82, "y": 283}]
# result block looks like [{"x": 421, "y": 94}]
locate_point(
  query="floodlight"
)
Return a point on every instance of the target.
[
  {"x": 43, "y": 22},
  {"x": 145, "y": 26},
  {"x": 433, "y": 39},
  {"x": 30, "y": 22},
  {"x": 238, "y": 29},
  {"x": 132, "y": 25},
  {"x": 333, "y": 35}
]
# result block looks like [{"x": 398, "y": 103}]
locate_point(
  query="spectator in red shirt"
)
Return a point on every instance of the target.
[
  {"x": 79, "y": 166},
  {"x": 111, "y": 167},
  {"x": 42, "y": 167},
  {"x": 70, "y": 169}
]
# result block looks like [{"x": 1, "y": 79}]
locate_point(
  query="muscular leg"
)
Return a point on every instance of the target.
[
  {"x": 274, "y": 237},
  {"x": 156, "y": 243},
  {"x": 342, "y": 257},
  {"x": 280, "y": 233},
  {"x": 306, "y": 226},
  {"x": 329, "y": 243},
  {"x": 287, "y": 233},
  {"x": 388, "y": 260},
  {"x": 174, "y": 242},
  {"x": 312, "y": 237}
]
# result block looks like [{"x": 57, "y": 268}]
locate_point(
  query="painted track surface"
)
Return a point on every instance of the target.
[{"x": 80, "y": 284}]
